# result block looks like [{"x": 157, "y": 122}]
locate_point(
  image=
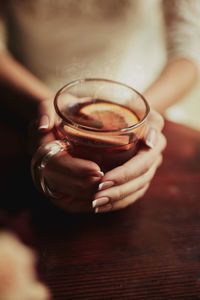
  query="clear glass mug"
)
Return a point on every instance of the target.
[{"x": 100, "y": 120}]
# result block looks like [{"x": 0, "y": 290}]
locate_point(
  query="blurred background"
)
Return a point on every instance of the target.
[{"x": 187, "y": 111}]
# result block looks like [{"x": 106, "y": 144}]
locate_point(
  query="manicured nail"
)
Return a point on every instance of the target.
[
  {"x": 44, "y": 122},
  {"x": 151, "y": 138},
  {"x": 97, "y": 173},
  {"x": 100, "y": 201},
  {"x": 102, "y": 209},
  {"x": 105, "y": 185},
  {"x": 101, "y": 173}
]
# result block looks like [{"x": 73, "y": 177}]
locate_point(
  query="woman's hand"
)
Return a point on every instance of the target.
[
  {"x": 74, "y": 180},
  {"x": 125, "y": 184},
  {"x": 18, "y": 278}
]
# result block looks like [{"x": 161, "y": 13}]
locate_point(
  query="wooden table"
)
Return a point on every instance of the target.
[{"x": 151, "y": 250}]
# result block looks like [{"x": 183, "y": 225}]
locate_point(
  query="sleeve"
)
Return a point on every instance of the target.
[
  {"x": 182, "y": 20},
  {"x": 3, "y": 33}
]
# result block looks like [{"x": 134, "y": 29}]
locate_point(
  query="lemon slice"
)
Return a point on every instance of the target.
[{"x": 111, "y": 115}]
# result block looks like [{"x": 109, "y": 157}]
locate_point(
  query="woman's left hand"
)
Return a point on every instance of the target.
[{"x": 125, "y": 184}]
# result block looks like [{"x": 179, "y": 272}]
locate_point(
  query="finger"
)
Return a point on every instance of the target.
[
  {"x": 120, "y": 192},
  {"x": 46, "y": 115},
  {"x": 155, "y": 120},
  {"x": 159, "y": 147},
  {"x": 130, "y": 199},
  {"x": 72, "y": 186},
  {"x": 64, "y": 163},
  {"x": 155, "y": 125},
  {"x": 122, "y": 203},
  {"x": 137, "y": 165}
]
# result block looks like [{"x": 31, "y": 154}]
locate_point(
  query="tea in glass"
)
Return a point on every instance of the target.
[{"x": 102, "y": 120}]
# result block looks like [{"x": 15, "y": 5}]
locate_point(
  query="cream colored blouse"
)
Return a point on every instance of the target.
[{"x": 125, "y": 40}]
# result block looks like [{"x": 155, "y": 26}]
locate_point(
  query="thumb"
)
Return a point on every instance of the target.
[
  {"x": 154, "y": 127},
  {"x": 46, "y": 115}
]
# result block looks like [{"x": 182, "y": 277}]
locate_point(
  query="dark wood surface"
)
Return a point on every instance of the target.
[{"x": 150, "y": 250}]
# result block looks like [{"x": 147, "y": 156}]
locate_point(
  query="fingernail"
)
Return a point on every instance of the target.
[
  {"x": 100, "y": 201},
  {"x": 97, "y": 173},
  {"x": 100, "y": 173},
  {"x": 150, "y": 139},
  {"x": 44, "y": 122},
  {"x": 104, "y": 208},
  {"x": 105, "y": 185}
]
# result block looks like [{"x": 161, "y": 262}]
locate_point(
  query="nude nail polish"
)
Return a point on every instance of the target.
[
  {"x": 100, "y": 201},
  {"x": 44, "y": 122},
  {"x": 102, "y": 209},
  {"x": 105, "y": 185}
]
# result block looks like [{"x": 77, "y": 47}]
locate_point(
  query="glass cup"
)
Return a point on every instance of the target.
[{"x": 101, "y": 120}]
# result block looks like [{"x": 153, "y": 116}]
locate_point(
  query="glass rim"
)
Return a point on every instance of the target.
[{"x": 87, "y": 128}]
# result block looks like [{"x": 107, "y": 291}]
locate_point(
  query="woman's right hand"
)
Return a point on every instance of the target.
[{"x": 75, "y": 180}]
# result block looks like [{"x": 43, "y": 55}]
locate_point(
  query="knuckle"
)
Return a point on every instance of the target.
[
  {"x": 119, "y": 194},
  {"x": 123, "y": 175}
]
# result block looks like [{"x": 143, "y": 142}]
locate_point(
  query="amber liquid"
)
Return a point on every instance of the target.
[{"x": 107, "y": 150}]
